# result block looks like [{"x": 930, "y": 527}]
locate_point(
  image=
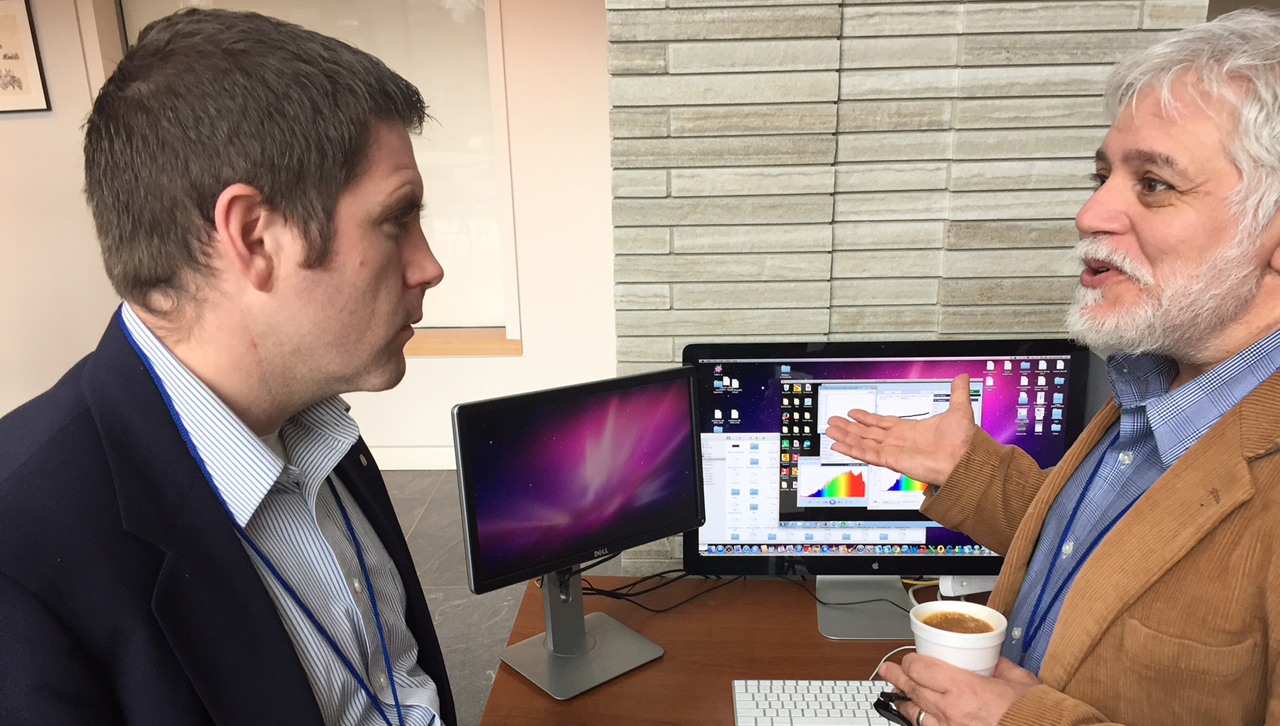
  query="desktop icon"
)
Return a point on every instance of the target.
[
  {"x": 1062, "y": 365},
  {"x": 806, "y": 443},
  {"x": 1026, "y": 365},
  {"x": 806, "y": 429},
  {"x": 991, "y": 365},
  {"x": 1059, "y": 381},
  {"x": 796, "y": 387},
  {"x": 808, "y": 387},
  {"x": 1044, "y": 365},
  {"x": 1022, "y": 397},
  {"x": 1024, "y": 382},
  {"x": 1039, "y": 412},
  {"x": 1057, "y": 413},
  {"x": 786, "y": 368},
  {"x": 1055, "y": 428},
  {"x": 1040, "y": 380},
  {"x": 991, "y": 381},
  {"x": 1039, "y": 396},
  {"x": 794, "y": 471},
  {"x": 808, "y": 401},
  {"x": 1022, "y": 414},
  {"x": 1057, "y": 398},
  {"x": 717, "y": 415},
  {"x": 717, "y": 384},
  {"x": 1008, "y": 365},
  {"x": 1039, "y": 427},
  {"x": 717, "y": 429},
  {"x": 786, "y": 457},
  {"x": 733, "y": 413}
]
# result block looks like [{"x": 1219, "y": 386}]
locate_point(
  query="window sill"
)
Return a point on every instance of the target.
[{"x": 462, "y": 341}]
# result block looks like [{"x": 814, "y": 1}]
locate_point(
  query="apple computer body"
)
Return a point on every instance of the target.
[
  {"x": 780, "y": 501},
  {"x": 552, "y": 479}
]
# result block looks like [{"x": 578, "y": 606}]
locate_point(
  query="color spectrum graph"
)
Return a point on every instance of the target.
[
  {"x": 905, "y": 483},
  {"x": 848, "y": 484}
]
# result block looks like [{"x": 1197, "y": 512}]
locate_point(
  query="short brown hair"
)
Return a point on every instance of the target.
[{"x": 211, "y": 98}]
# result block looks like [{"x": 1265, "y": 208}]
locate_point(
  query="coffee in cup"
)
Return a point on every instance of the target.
[{"x": 946, "y": 629}]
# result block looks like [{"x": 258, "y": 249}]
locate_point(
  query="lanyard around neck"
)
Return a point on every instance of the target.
[
  {"x": 275, "y": 573},
  {"x": 1037, "y": 619}
]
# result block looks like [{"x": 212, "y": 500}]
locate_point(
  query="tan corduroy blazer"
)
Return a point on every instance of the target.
[{"x": 1175, "y": 618}]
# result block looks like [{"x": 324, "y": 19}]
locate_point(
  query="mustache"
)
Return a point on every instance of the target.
[{"x": 1096, "y": 248}]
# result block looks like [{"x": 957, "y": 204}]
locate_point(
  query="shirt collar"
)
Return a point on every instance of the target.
[
  {"x": 1178, "y": 418},
  {"x": 241, "y": 468}
]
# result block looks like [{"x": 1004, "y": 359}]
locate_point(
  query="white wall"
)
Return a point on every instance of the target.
[
  {"x": 56, "y": 300},
  {"x": 54, "y": 297},
  {"x": 558, "y": 106}
]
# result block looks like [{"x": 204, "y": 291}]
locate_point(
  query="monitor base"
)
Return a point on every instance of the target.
[
  {"x": 576, "y": 653},
  {"x": 868, "y": 620}
]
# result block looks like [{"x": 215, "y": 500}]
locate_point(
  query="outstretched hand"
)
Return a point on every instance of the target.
[{"x": 924, "y": 449}]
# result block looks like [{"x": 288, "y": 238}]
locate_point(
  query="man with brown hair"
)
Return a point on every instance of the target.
[{"x": 191, "y": 529}]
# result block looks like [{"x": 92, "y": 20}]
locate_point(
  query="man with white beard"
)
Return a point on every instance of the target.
[{"x": 1142, "y": 574}]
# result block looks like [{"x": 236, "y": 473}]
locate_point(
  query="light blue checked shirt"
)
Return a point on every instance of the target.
[
  {"x": 275, "y": 488},
  {"x": 1156, "y": 427}
]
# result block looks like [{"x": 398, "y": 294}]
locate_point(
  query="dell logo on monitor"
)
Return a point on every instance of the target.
[{"x": 601, "y": 552}]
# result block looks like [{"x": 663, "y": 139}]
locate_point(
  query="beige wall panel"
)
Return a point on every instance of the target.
[
  {"x": 721, "y": 322},
  {"x": 1053, "y": 48},
  {"x": 756, "y": 55},
  {"x": 901, "y": 291},
  {"x": 790, "y": 118},
  {"x": 889, "y": 319},
  {"x": 1030, "y": 174},
  {"x": 1010, "y": 263},
  {"x": 1035, "y": 204},
  {"x": 753, "y": 238},
  {"x": 1002, "y": 113},
  {"x": 752, "y": 180},
  {"x": 1079, "y": 143},
  {"x": 634, "y": 4},
  {"x": 888, "y": 235},
  {"x": 725, "y": 23},
  {"x": 671, "y": 90},
  {"x": 642, "y": 297},
  {"x": 903, "y": 19},
  {"x": 900, "y": 52},
  {"x": 887, "y": 206},
  {"x": 886, "y": 263},
  {"x": 723, "y": 151},
  {"x": 891, "y": 177},
  {"x": 645, "y": 349},
  {"x": 1175, "y": 13},
  {"x": 898, "y": 83},
  {"x": 903, "y": 146},
  {"x": 631, "y": 369},
  {"x": 1011, "y": 234},
  {"x": 1004, "y": 320},
  {"x": 640, "y": 183},
  {"x": 641, "y": 240},
  {"x": 1021, "y": 17},
  {"x": 1033, "y": 81},
  {"x": 912, "y": 115},
  {"x": 723, "y": 268},
  {"x": 626, "y": 123},
  {"x": 733, "y": 295},
  {"x": 632, "y": 58},
  {"x": 722, "y": 210},
  {"x": 1008, "y": 291}
]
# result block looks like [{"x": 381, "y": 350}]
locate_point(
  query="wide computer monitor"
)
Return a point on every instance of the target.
[
  {"x": 552, "y": 479},
  {"x": 780, "y": 501}
]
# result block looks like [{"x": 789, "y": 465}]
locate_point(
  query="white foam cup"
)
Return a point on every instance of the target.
[{"x": 977, "y": 652}]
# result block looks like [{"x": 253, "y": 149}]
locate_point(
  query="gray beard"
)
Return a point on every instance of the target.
[{"x": 1178, "y": 317}]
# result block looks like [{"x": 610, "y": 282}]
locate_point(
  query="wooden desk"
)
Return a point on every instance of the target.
[{"x": 749, "y": 629}]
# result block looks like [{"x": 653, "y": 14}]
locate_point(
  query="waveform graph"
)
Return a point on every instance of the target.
[
  {"x": 905, "y": 483},
  {"x": 827, "y": 486}
]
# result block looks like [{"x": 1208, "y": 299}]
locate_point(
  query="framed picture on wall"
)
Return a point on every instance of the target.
[{"x": 21, "y": 75}]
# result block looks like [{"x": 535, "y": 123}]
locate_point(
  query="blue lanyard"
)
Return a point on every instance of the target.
[
  {"x": 186, "y": 438},
  {"x": 1037, "y": 623}
]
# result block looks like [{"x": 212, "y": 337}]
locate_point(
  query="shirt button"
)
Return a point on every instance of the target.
[
  {"x": 356, "y": 586},
  {"x": 382, "y": 680},
  {"x": 1017, "y": 633},
  {"x": 1126, "y": 458},
  {"x": 1067, "y": 548}
]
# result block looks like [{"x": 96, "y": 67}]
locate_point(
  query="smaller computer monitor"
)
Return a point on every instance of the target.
[{"x": 553, "y": 479}]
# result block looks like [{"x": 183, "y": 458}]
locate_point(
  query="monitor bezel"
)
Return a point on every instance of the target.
[
  {"x": 800, "y": 564},
  {"x": 463, "y": 415}
]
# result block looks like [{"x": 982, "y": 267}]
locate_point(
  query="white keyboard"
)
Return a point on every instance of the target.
[{"x": 807, "y": 703}]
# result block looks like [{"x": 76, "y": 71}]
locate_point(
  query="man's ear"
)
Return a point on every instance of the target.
[{"x": 242, "y": 221}]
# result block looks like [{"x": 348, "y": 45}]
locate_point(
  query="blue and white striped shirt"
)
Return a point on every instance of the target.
[
  {"x": 275, "y": 488},
  {"x": 1156, "y": 427}
]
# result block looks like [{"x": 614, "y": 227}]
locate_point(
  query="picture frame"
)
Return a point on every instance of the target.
[{"x": 22, "y": 83}]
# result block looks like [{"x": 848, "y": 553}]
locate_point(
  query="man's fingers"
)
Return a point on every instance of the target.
[
  {"x": 866, "y": 418},
  {"x": 920, "y": 696},
  {"x": 960, "y": 390},
  {"x": 932, "y": 673}
]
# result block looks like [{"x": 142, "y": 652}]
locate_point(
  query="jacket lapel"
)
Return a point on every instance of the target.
[
  {"x": 208, "y": 599},
  {"x": 1202, "y": 488}
]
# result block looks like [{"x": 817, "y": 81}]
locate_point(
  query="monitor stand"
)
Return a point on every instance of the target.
[
  {"x": 576, "y": 653},
  {"x": 867, "y": 621}
]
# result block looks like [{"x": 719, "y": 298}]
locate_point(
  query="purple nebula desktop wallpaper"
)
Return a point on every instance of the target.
[{"x": 568, "y": 476}]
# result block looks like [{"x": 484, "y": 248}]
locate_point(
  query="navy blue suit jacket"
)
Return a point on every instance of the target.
[{"x": 126, "y": 596}]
